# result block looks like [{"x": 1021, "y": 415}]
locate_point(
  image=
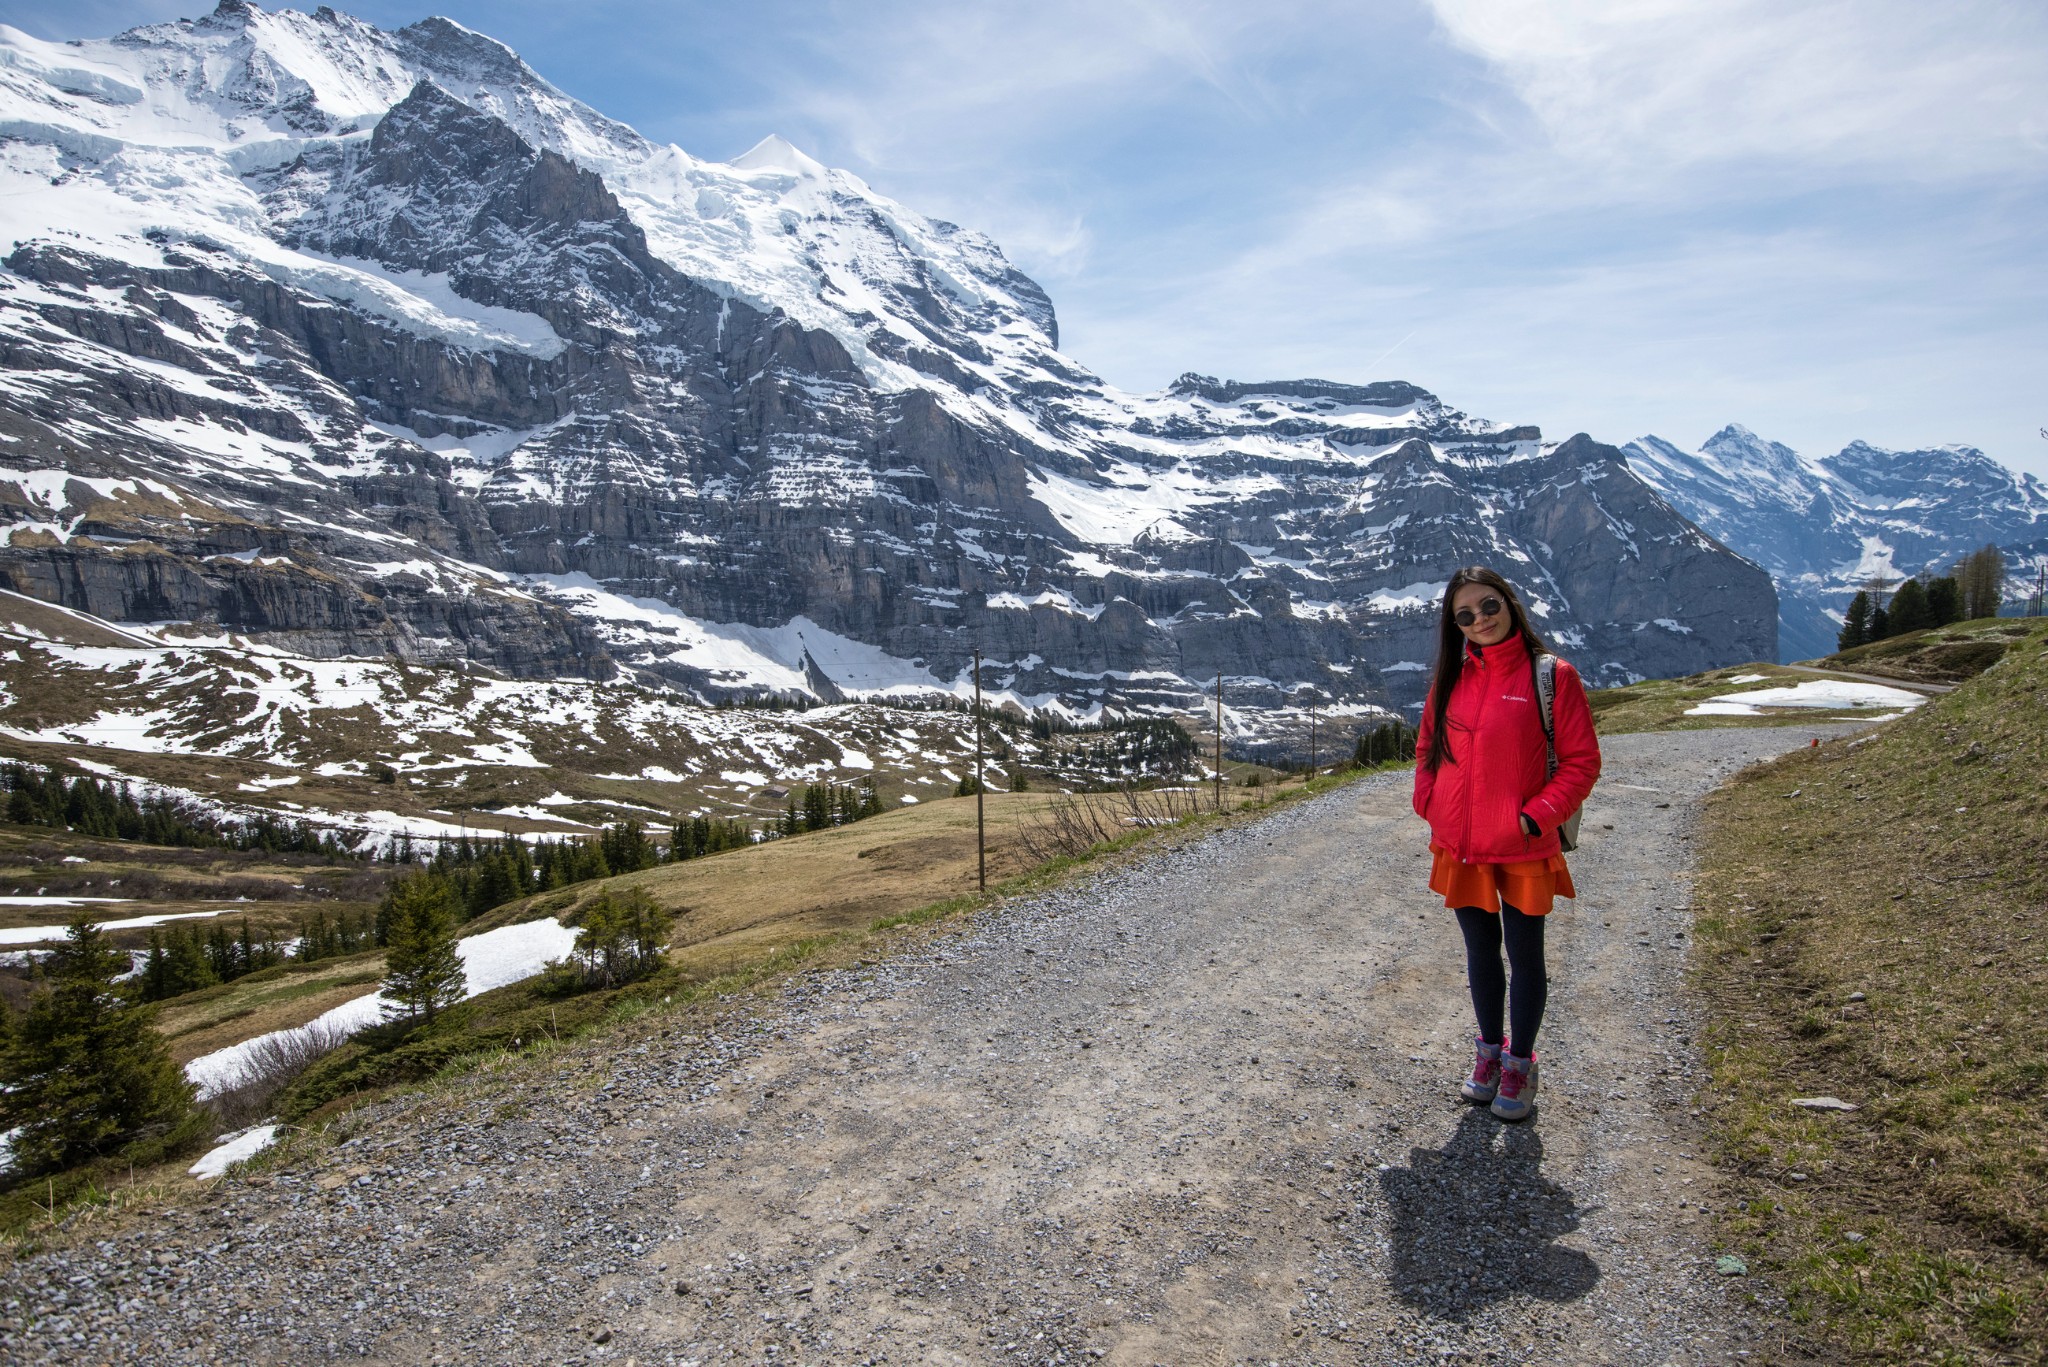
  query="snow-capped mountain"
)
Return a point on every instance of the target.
[
  {"x": 362, "y": 343},
  {"x": 1826, "y": 528}
]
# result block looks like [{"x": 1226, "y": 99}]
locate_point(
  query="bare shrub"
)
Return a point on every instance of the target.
[
  {"x": 1075, "y": 823},
  {"x": 272, "y": 1063}
]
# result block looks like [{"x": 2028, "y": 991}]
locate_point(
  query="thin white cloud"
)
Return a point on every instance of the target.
[
  {"x": 912, "y": 82},
  {"x": 1901, "y": 86}
]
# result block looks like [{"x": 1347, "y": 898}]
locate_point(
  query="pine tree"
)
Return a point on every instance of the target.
[
  {"x": 1909, "y": 610},
  {"x": 156, "y": 969},
  {"x": 626, "y": 847},
  {"x": 188, "y": 968},
  {"x": 1944, "y": 600},
  {"x": 817, "y": 806},
  {"x": 1855, "y": 623},
  {"x": 497, "y": 882},
  {"x": 1880, "y": 623},
  {"x": 602, "y": 940},
  {"x": 422, "y": 972},
  {"x": 84, "y": 1073}
]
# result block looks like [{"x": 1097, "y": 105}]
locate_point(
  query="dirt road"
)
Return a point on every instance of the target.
[{"x": 1196, "y": 1110}]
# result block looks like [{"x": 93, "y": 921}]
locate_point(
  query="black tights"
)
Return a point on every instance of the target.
[{"x": 1484, "y": 932}]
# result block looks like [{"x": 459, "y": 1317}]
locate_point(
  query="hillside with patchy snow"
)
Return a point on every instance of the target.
[{"x": 353, "y": 343}]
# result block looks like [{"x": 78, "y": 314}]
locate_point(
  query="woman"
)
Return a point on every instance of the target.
[{"x": 1483, "y": 782}]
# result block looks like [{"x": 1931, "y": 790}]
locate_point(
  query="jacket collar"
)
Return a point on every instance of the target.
[{"x": 1512, "y": 653}]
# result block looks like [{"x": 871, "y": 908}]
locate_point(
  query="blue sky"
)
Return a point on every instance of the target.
[{"x": 1825, "y": 221}]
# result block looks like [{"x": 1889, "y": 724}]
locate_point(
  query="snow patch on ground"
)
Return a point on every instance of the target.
[
  {"x": 30, "y": 935},
  {"x": 736, "y": 653},
  {"x": 1821, "y": 693},
  {"x": 235, "y": 1148},
  {"x": 508, "y": 954}
]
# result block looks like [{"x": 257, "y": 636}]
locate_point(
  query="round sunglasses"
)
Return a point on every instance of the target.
[{"x": 1488, "y": 607}]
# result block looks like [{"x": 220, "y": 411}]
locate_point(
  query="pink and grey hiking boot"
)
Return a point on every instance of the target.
[
  {"x": 1516, "y": 1096},
  {"x": 1485, "y": 1079}
]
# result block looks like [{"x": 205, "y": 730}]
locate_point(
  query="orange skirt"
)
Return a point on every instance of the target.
[{"x": 1528, "y": 886}]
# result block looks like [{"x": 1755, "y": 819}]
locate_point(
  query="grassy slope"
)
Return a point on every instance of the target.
[
  {"x": 1871, "y": 926},
  {"x": 1662, "y": 704},
  {"x": 1944, "y": 655}
]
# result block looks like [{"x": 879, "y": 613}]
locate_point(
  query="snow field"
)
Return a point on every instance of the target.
[
  {"x": 33, "y": 935},
  {"x": 1821, "y": 693}
]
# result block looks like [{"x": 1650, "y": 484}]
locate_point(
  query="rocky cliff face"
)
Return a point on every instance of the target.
[
  {"x": 374, "y": 343},
  {"x": 1826, "y": 528}
]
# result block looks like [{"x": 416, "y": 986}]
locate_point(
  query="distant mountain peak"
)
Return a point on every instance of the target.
[
  {"x": 777, "y": 153},
  {"x": 1820, "y": 525}
]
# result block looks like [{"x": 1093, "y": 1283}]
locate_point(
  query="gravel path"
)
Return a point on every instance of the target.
[{"x": 1198, "y": 1109}]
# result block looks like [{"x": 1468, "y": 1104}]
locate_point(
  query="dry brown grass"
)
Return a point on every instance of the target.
[
  {"x": 276, "y": 999},
  {"x": 746, "y": 904},
  {"x": 1873, "y": 925}
]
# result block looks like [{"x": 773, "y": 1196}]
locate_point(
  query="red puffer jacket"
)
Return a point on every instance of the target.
[{"x": 1494, "y": 771}]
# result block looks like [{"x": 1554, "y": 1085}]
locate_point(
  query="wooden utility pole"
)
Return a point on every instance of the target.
[
  {"x": 980, "y": 810},
  {"x": 1219, "y": 740},
  {"x": 1311, "y": 733}
]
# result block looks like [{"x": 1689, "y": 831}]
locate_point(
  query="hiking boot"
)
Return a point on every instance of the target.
[
  {"x": 1516, "y": 1096},
  {"x": 1485, "y": 1079}
]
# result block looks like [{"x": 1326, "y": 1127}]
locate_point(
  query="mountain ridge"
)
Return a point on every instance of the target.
[
  {"x": 378, "y": 343},
  {"x": 1826, "y": 528}
]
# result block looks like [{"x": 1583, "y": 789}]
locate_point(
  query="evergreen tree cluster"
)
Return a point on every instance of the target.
[
  {"x": 1974, "y": 588},
  {"x": 1394, "y": 740},
  {"x": 323, "y": 938},
  {"x": 183, "y": 959},
  {"x": 767, "y": 702},
  {"x": 696, "y": 836},
  {"x": 621, "y": 940},
  {"x": 99, "y": 807},
  {"x": 476, "y": 875},
  {"x": 83, "y": 1074},
  {"x": 558, "y": 863},
  {"x": 824, "y": 805},
  {"x": 1136, "y": 747},
  {"x": 627, "y": 848}
]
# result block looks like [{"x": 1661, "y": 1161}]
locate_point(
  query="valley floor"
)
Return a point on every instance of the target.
[{"x": 1198, "y": 1108}]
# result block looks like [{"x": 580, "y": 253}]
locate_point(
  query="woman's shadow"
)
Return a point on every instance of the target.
[{"x": 1472, "y": 1223}]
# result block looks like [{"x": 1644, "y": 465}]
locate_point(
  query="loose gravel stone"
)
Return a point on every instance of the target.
[{"x": 1198, "y": 1108}]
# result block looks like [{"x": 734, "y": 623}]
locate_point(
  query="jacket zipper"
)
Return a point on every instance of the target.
[{"x": 1472, "y": 756}]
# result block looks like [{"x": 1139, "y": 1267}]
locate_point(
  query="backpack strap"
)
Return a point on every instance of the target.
[{"x": 1544, "y": 667}]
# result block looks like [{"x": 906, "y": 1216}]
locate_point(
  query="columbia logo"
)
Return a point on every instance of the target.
[{"x": 1512, "y": 697}]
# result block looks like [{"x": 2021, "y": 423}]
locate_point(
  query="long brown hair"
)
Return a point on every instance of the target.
[{"x": 1450, "y": 652}]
